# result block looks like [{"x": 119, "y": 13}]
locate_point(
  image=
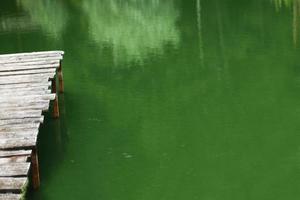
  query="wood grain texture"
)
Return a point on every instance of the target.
[
  {"x": 25, "y": 82},
  {"x": 14, "y": 169},
  {"x": 31, "y": 54},
  {"x": 29, "y": 133},
  {"x": 18, "y": 142},
  {"x": 4, "y": 154},
  {"x": 28, "y": 71},
  {"x": 29, "y": 59},
  {"x": 13, "y": 159},
  {"x": 27, "y": 85},
  {"x": 12, "y": 184},
  {"x": 10, "y": 196}
]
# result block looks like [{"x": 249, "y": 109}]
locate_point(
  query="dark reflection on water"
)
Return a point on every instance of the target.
[{"x": 167, "y": 99}]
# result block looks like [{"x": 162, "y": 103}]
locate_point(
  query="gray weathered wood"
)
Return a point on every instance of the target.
[
  {"x": 26, "y": 76},
  {"x": 43, "y": 62},
  {"x": 8, "y": 108},
  {"x": 21, "y": 79},
  {"x": 23, "y": 90},
  {"x": 27, "y": 98},
  {"x": 15, "y": 114},
  {"x": 23, "y": 93},
  {"x": 13, "y": 159},
  {"x": 14, "y": 169},
  {"x": 27, "y": 85},
  {"x": 22, "y": 103},
  {"x": 20, "y": 126},
  {"x": 17, "y": 143},
  {"x": 30, "y": 133},
  {"x": 20, "y": 58},
  {"x": 18, "y": 68},
  {"x": 25, "y": 81},
  {"x": 4, "y": 154},
  {"x": 11, "y": 122},
  {"x": 32, "y": 54},
  {"x": 24, "y": 72},
  {"x": 12, "y": 184},
  {"x": 10, "y": 196},
  {"x": 26, "y": 59},
  {"x": 43, "y": 107}
]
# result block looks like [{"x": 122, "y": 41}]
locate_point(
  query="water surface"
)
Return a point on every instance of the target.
[{"x": 167, "y": 100}]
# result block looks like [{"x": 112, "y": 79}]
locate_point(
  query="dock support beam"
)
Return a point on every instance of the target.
[
  {"x": 60, "y": 78},
  {"x": 55, "y": 103},
  {"x": 35, "y": 169}
]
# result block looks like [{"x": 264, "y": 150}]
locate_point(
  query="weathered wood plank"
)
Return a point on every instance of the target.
[
  {"x": 30, "y": 57},
  {"x": 11, "y": 122},
  {"x": 14, "y": 169},
  {"x": 41, "y": 107},
  {"x": 17, "y": 143},
  {"x": 27, "y": 59},
  {"x": 43, "y": 104},
  {"x": 43, "y": 62},
  {"x": 4, "y": 154},
  {"x": 27, "y": 85},
  {"x": 21, "y": 126},
  {"x": 15, "y": 104},
  {"x": 32, "y": 98},
  {"x": 30, "y": 71},
  {"x": 28, "y": 66},
  {"x": 27, "y": 76},
  {"x": 22, "y": 132},
  {"x": 30, "y": 133},
  {"x": 18, "y": 68},
  {"x": 54, "y": 56},
  {"x": 25, "y": 79},
  {"x": 6, "y": 91},
  {"x": 11, "y": 184},
  {"x": 15, "y": 114},
  {"x": 23, "y": 93},
  {"x": 10, "y": 196},
  {"x": 13, "y": 159},
  {"x": 20, "y": 58},
  {"x": 21, "y": 79},
  {"x": 35, "y": 54},
  {"x": 22, "y": 102}
]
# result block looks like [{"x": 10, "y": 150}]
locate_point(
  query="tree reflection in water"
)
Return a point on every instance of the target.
[
  {"x": 50, "y": 15},
  {"x": 279, "y": 3},
  {"x": 133, "y": 29},
  {"x": 295, "y": 4}
]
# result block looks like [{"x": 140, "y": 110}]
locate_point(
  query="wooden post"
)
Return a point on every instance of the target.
[
  {"x": 35, "y": 169},
  {"x": 55, "y": 103},
  {"x": 60, "y": 79}
]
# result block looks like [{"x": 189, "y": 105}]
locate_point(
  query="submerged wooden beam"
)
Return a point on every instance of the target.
[
  {"x": 60, "y": 79},
  {"x": 55, "y": 103},
  {"x": 35, "y": 169}
]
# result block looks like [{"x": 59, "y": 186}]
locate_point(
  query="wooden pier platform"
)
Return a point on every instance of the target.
[{"x": 27, "y": 86}]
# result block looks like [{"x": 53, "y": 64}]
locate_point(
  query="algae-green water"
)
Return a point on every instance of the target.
[{"x": 167, "y": 99}]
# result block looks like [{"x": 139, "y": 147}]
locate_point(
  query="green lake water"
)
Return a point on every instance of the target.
[{"x": 167, "y": 99}]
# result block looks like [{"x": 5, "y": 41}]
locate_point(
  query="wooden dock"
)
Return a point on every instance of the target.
[{"x": 27, "y": 86}]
